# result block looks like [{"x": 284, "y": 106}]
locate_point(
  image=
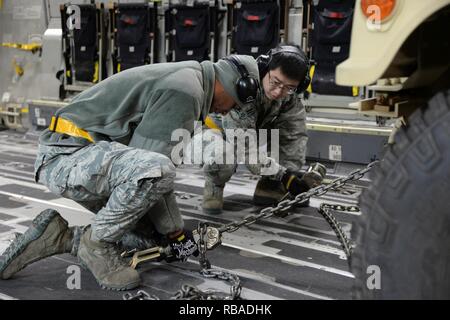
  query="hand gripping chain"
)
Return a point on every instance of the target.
[{"x": 210, "y": 237}]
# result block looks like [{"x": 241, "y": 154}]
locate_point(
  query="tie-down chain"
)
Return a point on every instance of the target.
[{"x": 208, "y": 238}]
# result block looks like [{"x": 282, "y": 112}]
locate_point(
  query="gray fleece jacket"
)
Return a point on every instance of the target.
[{"x": 141, "y": 107}]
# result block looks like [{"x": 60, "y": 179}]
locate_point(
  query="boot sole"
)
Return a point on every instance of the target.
[
  {"x": 20, "y": 244},
  {"x": 107, "y": 287}
]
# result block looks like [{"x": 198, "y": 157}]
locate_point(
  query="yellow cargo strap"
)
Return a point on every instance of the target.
[
  {"x": 67, "y": 127},
  {"x": 17, "y": 68},
  {"x": 311, "y": 75},
  {"x": 33, "y": 47},
  {"x": 95, "y": 80},
  {"x": 211, "y": 124}
]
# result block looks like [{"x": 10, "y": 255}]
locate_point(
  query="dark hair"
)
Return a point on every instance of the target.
[{"x": 292, "y": 65}]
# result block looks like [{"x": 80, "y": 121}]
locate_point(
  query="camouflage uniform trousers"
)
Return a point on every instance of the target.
[
  {"x": 122, "y": 185},
  {"x": 210, "y": 149},
  {"x": 220, "y": 174}
]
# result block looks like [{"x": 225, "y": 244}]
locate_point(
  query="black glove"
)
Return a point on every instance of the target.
[
  {"x": 315, "y": 175},
  {"x": 293, "y": 183},
  {"x": 182, "y": 246}
]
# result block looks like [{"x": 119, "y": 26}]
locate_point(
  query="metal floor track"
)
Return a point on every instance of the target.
[{"x": 295, "y": 258}]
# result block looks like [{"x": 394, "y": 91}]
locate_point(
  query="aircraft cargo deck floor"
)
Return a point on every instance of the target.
[{"x": 297, "y": 257}]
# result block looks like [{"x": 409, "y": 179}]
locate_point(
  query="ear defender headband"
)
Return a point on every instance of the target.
[
  {"x": 246, "y": 86},
  {"x": 264, "y": 62}
]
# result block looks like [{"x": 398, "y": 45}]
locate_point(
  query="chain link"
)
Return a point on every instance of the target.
[
  {"x": 285, "y": 205},
  {"x": 340, "y": 207},
  {"x": 325, "y": 211},
  {"x": 194, "y": 293},
  {"x": 140, "y": 295},
  {"x": 188, "y": 292},
  {"x": 202, "y": 246}
]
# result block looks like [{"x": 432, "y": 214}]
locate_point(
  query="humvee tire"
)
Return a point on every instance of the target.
[{"x": 405, "y": 223}]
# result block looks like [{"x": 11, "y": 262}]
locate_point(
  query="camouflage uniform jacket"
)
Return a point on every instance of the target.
[{"x": 288, "y": 115}]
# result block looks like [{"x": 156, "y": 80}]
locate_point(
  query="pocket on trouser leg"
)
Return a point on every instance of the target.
[
  {"x": 84, "y": 184},
  {"x": 165, "y": 214},
  {"x": 127, "y": 204}
]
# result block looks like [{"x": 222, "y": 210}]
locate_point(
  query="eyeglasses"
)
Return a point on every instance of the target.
[{"x": 274, "y": 84}]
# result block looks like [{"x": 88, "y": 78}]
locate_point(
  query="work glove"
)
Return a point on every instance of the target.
[
  {"x": 182, "y": 246},
  {"x": 297, "y": 183},
  {"x": 314, "y": 175},
  {"x": 293, "y": 183}
]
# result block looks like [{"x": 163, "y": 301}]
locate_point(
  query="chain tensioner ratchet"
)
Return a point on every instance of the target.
[{"x": 212, "y": 238}]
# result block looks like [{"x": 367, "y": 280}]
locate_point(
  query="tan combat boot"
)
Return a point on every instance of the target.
[
  {"x": 269, "y": 191},
  {"x": 48, "y": 235},
  {"x": 212, "y": 198},
  {"x": 104, "y": 261}
]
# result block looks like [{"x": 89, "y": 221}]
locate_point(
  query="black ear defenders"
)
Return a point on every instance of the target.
[
  {"x": 246, "y": 86},
  {"x": 264, "y": 62}
]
